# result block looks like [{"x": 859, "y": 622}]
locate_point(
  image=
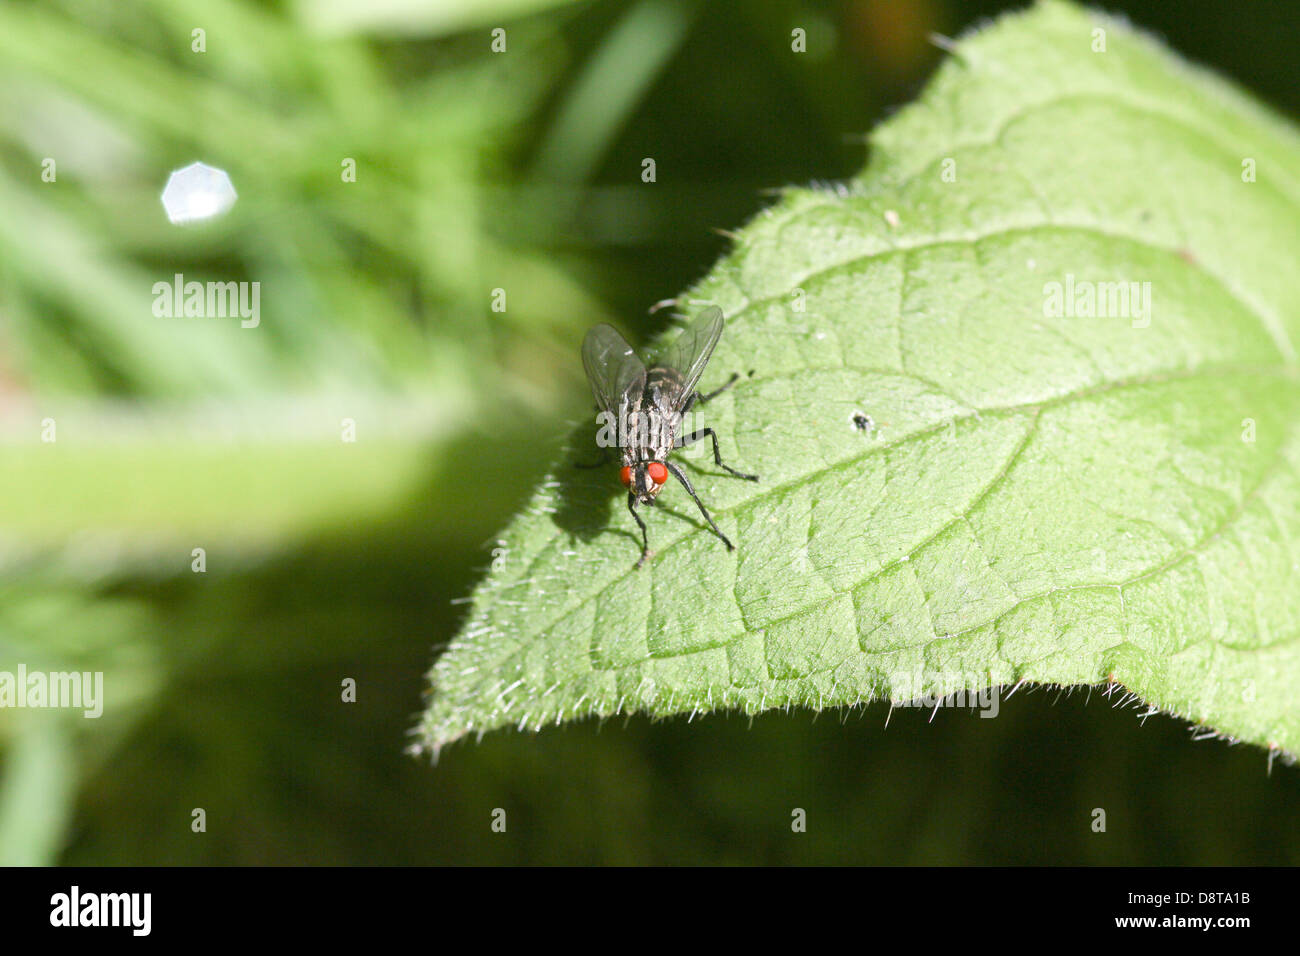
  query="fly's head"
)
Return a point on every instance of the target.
[{"x": 644, "y": 479}]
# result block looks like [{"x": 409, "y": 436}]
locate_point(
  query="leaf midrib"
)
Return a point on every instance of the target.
[{"x": 1208, "y": 372}]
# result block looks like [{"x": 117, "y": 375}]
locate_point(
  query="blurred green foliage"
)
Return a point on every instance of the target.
[{"x": 476, "y": 171}]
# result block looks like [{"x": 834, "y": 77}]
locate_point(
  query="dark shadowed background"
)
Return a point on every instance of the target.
[{"x": 475, "y": 171}]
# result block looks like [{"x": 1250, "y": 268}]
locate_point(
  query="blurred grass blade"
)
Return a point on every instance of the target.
[
  {"x": 607, "y": 91},
  {"x": 414, "y": 17},
  {"x": 36, "y": 790}
]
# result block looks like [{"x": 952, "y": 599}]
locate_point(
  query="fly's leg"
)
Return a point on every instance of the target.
[
  {"x": 677, "y": 473},
  {"x": 699, "y": 399},
  {"x": 717, "y": 455},
  {"x": 645, "y": 537}
]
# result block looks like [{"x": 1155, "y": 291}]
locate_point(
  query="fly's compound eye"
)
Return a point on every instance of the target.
[
  {"x": 658, "y": 473},
  {"x": 625, "y": 475}
]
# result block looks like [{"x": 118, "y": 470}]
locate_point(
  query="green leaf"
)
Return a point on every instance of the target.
[{"x": 1072, "y": 499}]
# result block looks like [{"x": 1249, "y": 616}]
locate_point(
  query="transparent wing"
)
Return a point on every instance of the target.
[
  {"x": 690, "y": 353},
  {"x": 613, "y": 368}
]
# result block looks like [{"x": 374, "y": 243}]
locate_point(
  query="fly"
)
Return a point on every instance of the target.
[{"x": 646, "y": 407}]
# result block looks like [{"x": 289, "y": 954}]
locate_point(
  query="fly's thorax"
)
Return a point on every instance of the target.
[
  {"x": 648, "y": 431},
  {"x": 665, "y": 399}
]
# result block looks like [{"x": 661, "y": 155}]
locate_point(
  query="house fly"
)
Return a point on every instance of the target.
[{"x": 644, "y": 408}]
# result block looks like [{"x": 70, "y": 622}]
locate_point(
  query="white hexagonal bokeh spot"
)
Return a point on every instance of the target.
[{"x": 198, "y": 192}]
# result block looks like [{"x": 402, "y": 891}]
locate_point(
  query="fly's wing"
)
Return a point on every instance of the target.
[
  {"x": 614, "y": 371},
  {"x": 690, "y": 353}
]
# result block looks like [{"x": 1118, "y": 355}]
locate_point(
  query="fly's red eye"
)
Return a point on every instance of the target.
[
  {"x": 658, "y": 473},
  {"x": 625, "y": 475}
]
